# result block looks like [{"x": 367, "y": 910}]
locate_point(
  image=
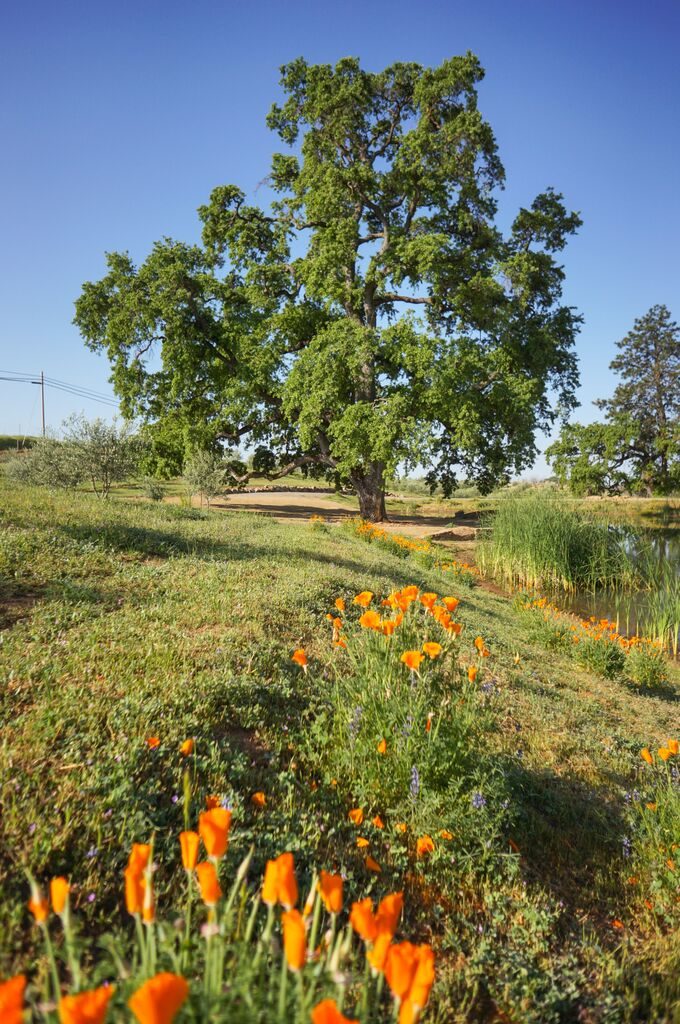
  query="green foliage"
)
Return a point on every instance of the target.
[
  {"x": 646, "y": 667},
  {"x": 603, "y": 656},
  {"x": 153, "y": 488},
  {"x": 539, "y": 540},
  {"x": 637, "y": 448},
  {"x": 286, "y": 325},
  {"x": 204, "y": 475}
]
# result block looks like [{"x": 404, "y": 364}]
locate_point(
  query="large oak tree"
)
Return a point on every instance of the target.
[{"x": 372, "y": 314}]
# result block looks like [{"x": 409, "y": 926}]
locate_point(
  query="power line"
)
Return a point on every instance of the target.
[{"x": 77, "y": 390}]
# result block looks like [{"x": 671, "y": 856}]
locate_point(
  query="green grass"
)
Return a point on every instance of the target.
[{"x": 123, "y": 620}]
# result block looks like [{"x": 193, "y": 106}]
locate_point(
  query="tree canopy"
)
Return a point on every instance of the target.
[
  {"x": 372, "y": 313},
  {"x": 637, "y": 448}
]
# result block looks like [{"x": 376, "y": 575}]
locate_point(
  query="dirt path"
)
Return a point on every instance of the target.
[{"x": 297, "y": 505}]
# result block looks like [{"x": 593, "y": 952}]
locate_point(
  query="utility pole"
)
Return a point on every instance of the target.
[{"x": 42, "y": 399}]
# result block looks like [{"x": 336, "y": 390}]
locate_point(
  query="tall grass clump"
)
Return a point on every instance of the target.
[{"x": 537, "y": 540}]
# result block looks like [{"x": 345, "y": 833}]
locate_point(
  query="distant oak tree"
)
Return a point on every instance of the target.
[{"x": 370, "y": 315}]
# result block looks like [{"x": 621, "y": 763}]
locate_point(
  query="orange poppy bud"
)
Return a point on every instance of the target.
[
  {"x": 363, "y": 920},
  {"x": 211, "y": 893},
  {"x": 646, "y": 755},
  {"x": 362, "y": 843},
  {"x": 408, "y": 1013},
  {"x": 258, "y": 799},
  {"x": 134, "y": 890},
  {"x": 153, "y": 742},
  {"x": 378, "y": 822},
  {"x": 149, "y": 901},
  {"x": 294, "y": 939},
  {"x": 12, "y": 999},
  {"x": 340, "y": 604},
  {"x": 454, "y": 627},
  {"x": 389, "y": 910},
  {"x": 400, "y": 968},
  {"x": 158, "y": 1000},
  {"x": 327, "y": 1012},
  {"x": 188, "y": 842},
  {"x": 38, "y": 905},
  {"x": 330, "y": 888},
  {"x": 382, "y": 747},
  {"x": 651, "y": 806},
  {"x": 364, "y": 598},
  {"x": 664, "y": 753},
  {"x": 377, "y": 955},
  {"x": 288, "y": 887},
  {"x": 617, "y": 924},
  {"x": 139, "y": 857},
  {"x": 445, "y": 834},
  {"x": 187, "y": 748},
  {"x": 401, "y": 826},
  {"x": 372, "y": 865},
  {"x": 472, "y": 673},
  {"x": 432, "y": 649},
  {"x": 673, "y": 746},
  {"x": 412, "y": 659},
  {"x": 270, "y": 885},
  {"x": 214, "y": 828},
  {"x": 86, "y": 1007},
  {"x": 356, "y": 815},
  {"x": 428, "y": 600},
  {"x": 670, "y": 864},
  {"x": 451, "y": 603},
  {"x": 479, "y": 643},
  {"x": 59, "y": 890},
  {"x": 370, "y": 620},
  {"x": 424, "y": 845},
  {"x": 300, "y": 658}
]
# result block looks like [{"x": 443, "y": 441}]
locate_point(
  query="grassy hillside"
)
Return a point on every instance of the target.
[{"x": 120, "y": 622}]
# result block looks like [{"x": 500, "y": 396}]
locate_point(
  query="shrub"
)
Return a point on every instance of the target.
[
  {"x": 153, "y": 488},
  {"x": 600, "y": 654},
  {"x": 204, "y": 475},
  {"x": 646, "y": 666}
]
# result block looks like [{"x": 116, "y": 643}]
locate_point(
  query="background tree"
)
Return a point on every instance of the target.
[
  {"x": 638, "y": 446},
  {"x": 204, "y": 474},
  {"x": 286, "y": 326}
]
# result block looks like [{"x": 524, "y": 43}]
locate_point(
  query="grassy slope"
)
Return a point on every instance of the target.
[{"x": 125, "y": 621}]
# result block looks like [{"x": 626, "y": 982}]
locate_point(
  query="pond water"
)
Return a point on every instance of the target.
[{"x": 640, "y": 612}]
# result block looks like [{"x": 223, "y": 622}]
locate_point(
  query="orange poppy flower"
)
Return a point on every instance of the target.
[
  {"x": 445, "y": 834},
  {"x": 400, "y": 968},
  {"x": 300, "y": 658},
  {"x": 330, "y": 889},
  {"x": 370, "y": 620},
  {"x": 38, "y": 905},
  {"x": 214, "y": 828},
  {"x": 139, "y": 857},
  {"x": 86, "y": 1007},
  {"x": 451, "y": 603},
  {"x": 389, "y": 910},
  {"x": 673, "y": 746},
  {"x": 12, "y": 999},
  {"x": 377, "y": 955},
  {"x": 148, "y": 901},
  {"x": 294, "y": 939},
  {"x": 372, "y": 865},
  {"x": 432, "y": 649},
  {"x": 646, "y": 755},
  {"x": 211, "y": 893},
  {"x": 472, "y": 673},
  {"x": 428, "y": 600},
  {"x": 442, "y": 616},
  {"x": 670, "y": 864},
  {"x": 617, "y": 924},
  {"x": 134, "y": 890},
  {"x": 664, "y": 753},
  {"x": 153, "y": 742},
  {"x": 212, "y": 801},
  {"x": 651, "y": 806},
  {"x": 187, "y": 748},
  {"x": 188, "y": 842},
  {"x": 340, "y": 604},
  {"x": 423, "y": 979},
  {"x": 362, "y": 843},
  {"x": 409, "y": 593},
  {"x": 280, "y": 884},
  {"x": 455, "y": 627},
  {"x": 412, "y": 659},
  {"x": 401, "y": 826},
  {"x": 59, "y": 890},
  {"x": 479, "y": 643},
  {"x": 159, "y": 999},
  {"x": 363, "y": 920},
  {"x": 378, "y": 822},
  {"x": 327, "y": 1012},
  {"x": 382, "y": 747},
  {"x": 424, "y": 845},
  {"x": 428, "y": 723},
  {"x": 364, "y": 598},
  {"x": 387, "y": 627},
  {"x": 258, "y": 799},
  {"x": 356, "y": 815}
]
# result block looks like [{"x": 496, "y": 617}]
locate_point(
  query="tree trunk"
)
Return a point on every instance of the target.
[{"x": 370, "y": 488}]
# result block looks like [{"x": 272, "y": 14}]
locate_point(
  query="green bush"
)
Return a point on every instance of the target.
[
  {"x": 605, "y": 657},
  {"x": 646, "y": 667}
]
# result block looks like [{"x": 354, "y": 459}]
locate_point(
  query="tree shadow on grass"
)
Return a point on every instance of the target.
[{"x": 570, "y": 837}]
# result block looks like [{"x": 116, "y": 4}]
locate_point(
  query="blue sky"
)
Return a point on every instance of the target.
[{"x": 118, "y": 119}]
